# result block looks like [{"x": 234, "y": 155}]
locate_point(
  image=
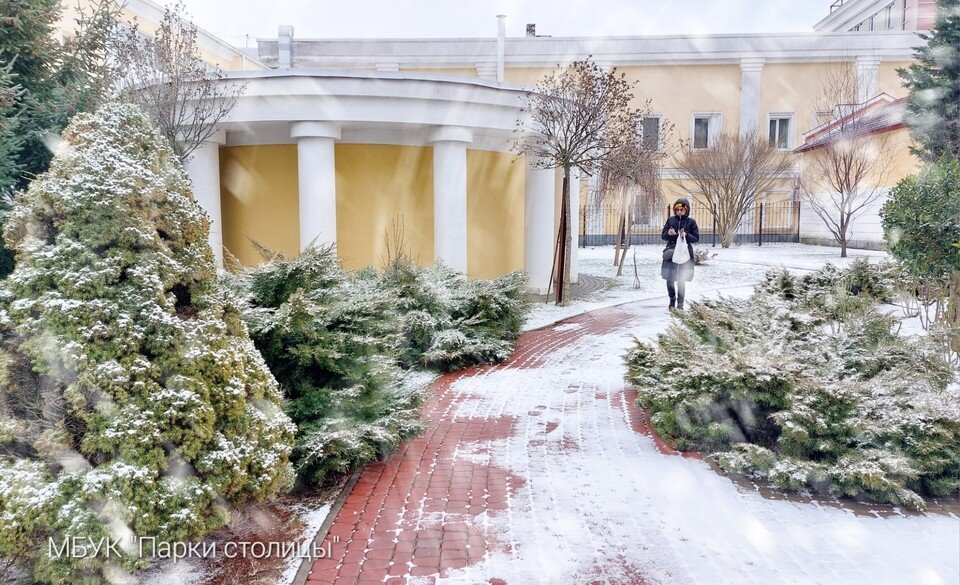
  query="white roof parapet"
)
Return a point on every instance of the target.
[
  {"x": 621, "y": 51},
  {"x": 373, "y": 107}
]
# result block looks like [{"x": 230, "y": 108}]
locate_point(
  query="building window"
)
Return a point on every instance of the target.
[
  {"x": 888, "y": 16},
  {"x": 872, "y": 23},
  {"x": 779, "y": 131},
  {"x": 650, "y": 132},
  {"x": 705, "y": 130}
]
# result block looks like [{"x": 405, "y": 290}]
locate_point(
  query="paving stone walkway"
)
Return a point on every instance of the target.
[{"x": 541, "y": 470}]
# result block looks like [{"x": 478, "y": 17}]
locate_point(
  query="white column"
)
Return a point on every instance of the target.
[
  {"x": 538, "y": 235},
  {"x": 749, "y": 94},
  {"x": 203, "y": 167},
  {"x": 867, "y": 78},
  {"x": 450, "y": 195},
  {"x": 317, "y": 176},
  {"x": 574, "y": 204}
]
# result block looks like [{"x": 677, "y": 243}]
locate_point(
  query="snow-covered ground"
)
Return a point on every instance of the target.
[
  {"x": 599, "y": 501},
  {"x": 733, "y": 271}
]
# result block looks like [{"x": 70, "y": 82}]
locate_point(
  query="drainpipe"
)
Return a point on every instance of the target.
[{"x": 501, "y": 39}]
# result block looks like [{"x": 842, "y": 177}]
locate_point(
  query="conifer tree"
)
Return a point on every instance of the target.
[
  {"x": 132, "y": 400},
  {"x": 331, "y": 340},
  {"x": 934, "y": 84}
]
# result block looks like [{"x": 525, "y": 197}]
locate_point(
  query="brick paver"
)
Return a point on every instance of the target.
[
  {"x": 396, "y": 522},
  {"x": 543, "y": 481}
]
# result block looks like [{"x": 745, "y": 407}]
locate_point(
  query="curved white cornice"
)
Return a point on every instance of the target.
[
  {"x": 620, "y": 51},
  {"x": 386, "y": 108}
]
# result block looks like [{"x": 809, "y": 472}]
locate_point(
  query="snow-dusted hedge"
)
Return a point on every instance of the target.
[
  {"x": 331, "y": 340},
  {"x": 132, "y": 400},
  {"x": 448, "y": 322},
  {"x": 808, "y": 385},
  {"x": 339, "y": 344}
]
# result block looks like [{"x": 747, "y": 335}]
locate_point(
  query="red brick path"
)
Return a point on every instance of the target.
[{"x": 407, "y": 516}]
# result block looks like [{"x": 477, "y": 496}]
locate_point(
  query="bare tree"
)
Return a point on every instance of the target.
[
  {"x": 630, "y": 175},
  {"x": 186, "y": 99},
  {"x": 573, "y": 119},
  {"x": 848, "y": 163},
  {"x": 730, "y": 176}
]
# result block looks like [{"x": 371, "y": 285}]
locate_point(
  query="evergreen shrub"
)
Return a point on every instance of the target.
[
  {"x": 331, "y": 341},
  {"x": 132, "y": 400},
  {"x": 807, "y": 384},
  {"x": 343, "y": 345}
]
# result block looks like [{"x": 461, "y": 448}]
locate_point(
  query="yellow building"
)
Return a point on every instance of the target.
[{"x": 350, "y": 141}]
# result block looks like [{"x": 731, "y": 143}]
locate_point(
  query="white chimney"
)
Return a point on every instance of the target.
[
  {"x": 285, "y": 46},
  {"x": 501, "y": 39}
]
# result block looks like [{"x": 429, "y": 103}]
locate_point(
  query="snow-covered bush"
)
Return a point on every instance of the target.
[
  {"x": 132, "y": 400},
  {"x": 806, "y": 384},
  {"x": 339, "y": 344},
  {"x": 448, "y": 322},
  {"x": 331, "y": 340}
]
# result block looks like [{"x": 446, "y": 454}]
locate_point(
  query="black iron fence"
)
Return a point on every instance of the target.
[{"x": 765, "y": 222}]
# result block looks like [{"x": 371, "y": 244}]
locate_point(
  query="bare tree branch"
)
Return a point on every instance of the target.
[
  {"x": 186, "y": 99},
  {"x": 731, "y": 175},
  {"x": 849, "y": 172},
  {"x": 573, "y": 119}
]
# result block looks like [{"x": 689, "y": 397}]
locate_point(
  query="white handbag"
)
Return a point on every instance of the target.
[{"x": 681, "y": 254}]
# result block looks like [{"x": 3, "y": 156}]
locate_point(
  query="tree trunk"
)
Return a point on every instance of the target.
[
  {"x": 953, "y": 311},
  {"x": 563, "y": 258},
  {"x": 842, "y": 238},
  {"x": 623, "y": 257}
]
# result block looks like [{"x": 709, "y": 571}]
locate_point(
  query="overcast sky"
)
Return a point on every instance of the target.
[{"x": 232, "y": 20}]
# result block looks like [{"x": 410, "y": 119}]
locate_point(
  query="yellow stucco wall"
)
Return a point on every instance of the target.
[
  {"x": 379, "y": 186},
  {"x": 679, "y": 91},
  {"x": 526, "y": 75},
  {"x": 495, "y": 182},
  {"x": 887, "y": 79},
  {"x": 258, "y": 200},
  {"x": 796, "y": 88}
]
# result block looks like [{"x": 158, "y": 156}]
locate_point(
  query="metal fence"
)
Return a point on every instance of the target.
[{"x": 765, "y": 222}]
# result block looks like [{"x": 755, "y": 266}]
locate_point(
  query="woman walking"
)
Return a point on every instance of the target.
[{"x": 679, "y": 225}]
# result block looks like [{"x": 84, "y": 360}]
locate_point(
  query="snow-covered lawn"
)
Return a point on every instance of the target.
[{"x": 733, "y": 271}]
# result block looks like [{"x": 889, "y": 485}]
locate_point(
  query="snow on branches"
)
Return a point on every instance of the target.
[
  {"x": 139, "y": 401},
  {"x": 808, "y": 385}
]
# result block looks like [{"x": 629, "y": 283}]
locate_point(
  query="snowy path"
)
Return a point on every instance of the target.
[
  {"x": 539, "y": 467},
  {"x": 538, "y": 471}
]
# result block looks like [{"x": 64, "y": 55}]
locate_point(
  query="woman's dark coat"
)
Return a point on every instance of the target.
[{"x": 669, "y": 270}]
